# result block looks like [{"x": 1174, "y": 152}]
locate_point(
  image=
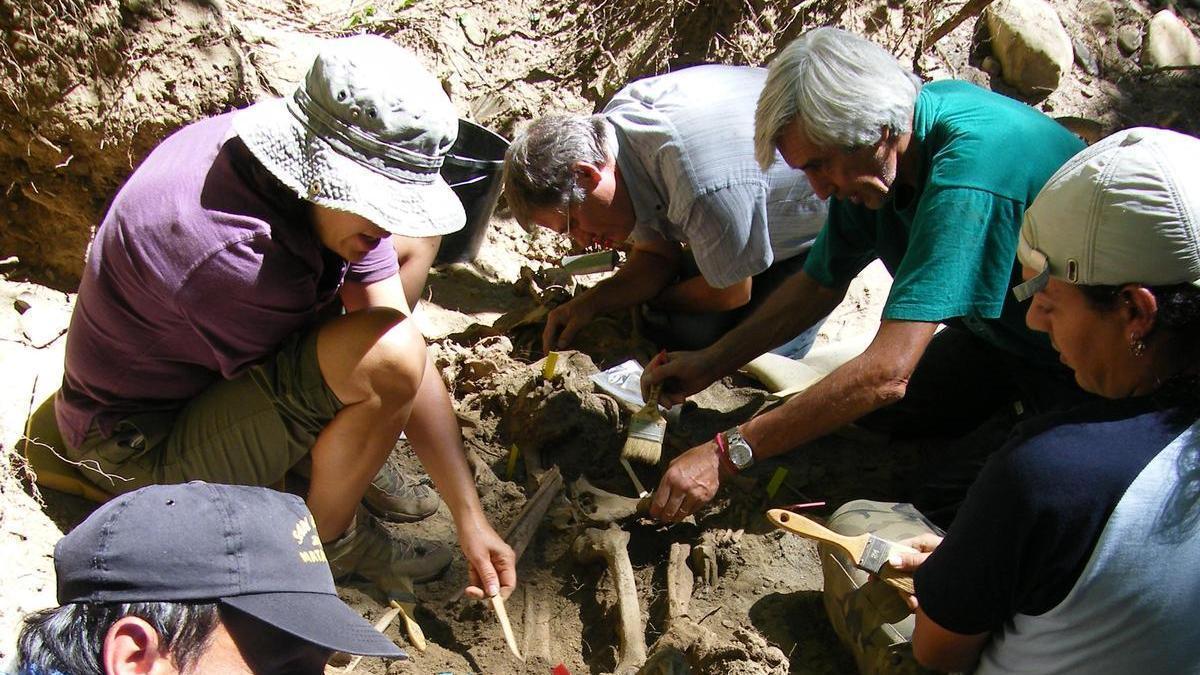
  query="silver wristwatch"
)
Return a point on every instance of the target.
[{"x": 741, "y": 455}]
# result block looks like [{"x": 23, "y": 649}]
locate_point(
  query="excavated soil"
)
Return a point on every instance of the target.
[{"x": 90, "y": 87}]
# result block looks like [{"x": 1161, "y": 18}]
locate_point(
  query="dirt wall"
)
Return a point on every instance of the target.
[{"x": 90, "y": 87}]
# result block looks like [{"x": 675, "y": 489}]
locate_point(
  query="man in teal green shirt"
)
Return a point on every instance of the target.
[{"x": 933, "y": 180}]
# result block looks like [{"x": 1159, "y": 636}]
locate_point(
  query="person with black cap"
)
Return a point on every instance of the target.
[
  {"x": 198, "y": 578},
  {"x": 208, "y": 342}
]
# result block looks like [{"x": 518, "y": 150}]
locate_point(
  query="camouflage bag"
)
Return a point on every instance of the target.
[{"x": 870, "y": 617}]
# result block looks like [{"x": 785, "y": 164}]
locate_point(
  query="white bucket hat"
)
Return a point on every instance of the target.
[
  {"x": 366, "y": 132},
  {"x": 1125, "y": 210}
]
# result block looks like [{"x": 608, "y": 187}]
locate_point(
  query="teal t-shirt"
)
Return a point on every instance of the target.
[{"x": 951, "y": 245}]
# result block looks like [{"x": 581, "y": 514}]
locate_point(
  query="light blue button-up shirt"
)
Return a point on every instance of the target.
[{"x": 685, "y": 149}]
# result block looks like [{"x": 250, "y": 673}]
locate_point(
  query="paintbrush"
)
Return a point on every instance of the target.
[
  {"x": 647, "y": 427},
  {"x": 868, "y": 552}
]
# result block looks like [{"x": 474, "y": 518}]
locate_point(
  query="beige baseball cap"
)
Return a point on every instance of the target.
[{"x": 1125, "y": 210}]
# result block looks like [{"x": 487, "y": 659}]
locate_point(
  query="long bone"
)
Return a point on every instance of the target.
[{"x": 611, "y": 545}]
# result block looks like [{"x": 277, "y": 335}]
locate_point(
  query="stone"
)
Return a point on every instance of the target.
[
  {"x": 43, "y": 324},
  {"x": 1129, "y": 39},
  {"x": 1029, "y": 41},
  {"x": 475, "y": 33},
  {"x": 1169, "y": 42},
  {"x": 1099, "y": 13},
  {"x": 991, "y": 66},
  {"x": 1085, "y": 58},
  {"x": 24, "y": 302}
]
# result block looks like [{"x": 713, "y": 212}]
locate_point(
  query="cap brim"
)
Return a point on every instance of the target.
[
  {"x": 315, "y": 171},
  {"x": 321, "y": 619}
]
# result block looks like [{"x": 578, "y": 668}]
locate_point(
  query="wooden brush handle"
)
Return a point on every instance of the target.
[
  {"x": 796, "y": 524},
  {"x": 853, "y": 546},
  {"x": 901, "y": 581}
]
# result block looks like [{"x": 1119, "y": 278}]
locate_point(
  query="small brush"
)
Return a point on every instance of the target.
[{"x": 647, "y": 428}]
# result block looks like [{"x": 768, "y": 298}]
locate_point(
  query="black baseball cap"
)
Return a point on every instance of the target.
[{"x": 251, "y": 548}]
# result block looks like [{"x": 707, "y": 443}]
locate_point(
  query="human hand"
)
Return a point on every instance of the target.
[
  {"x": 690, "y": 481},
  {"x": 680, "y": 374},
  {"x": 909, "y": 561},
  {"x": 564, "y": 322},
  {"x": 491, "y": 563}
]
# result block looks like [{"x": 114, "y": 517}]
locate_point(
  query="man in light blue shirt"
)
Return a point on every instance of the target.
[{"x": 670, "y": 162}]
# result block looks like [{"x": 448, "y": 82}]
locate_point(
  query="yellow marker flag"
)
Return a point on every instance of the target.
[
  {"x": 512, "y": 461},
  {"x": 776, "y": 481},
  {"x": 551, "y": 362}
]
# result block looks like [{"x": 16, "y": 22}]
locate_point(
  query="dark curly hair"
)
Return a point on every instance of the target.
[{"x": 69, "y": 639}]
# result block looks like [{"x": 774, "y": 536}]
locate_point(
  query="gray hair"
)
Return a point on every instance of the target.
[
  {"x": 70, "y": 638},
  {"x": 842, "y": 89},
  {"x": 539, "y": 166}
]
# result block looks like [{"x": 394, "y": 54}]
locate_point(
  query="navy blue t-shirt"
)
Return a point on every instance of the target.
[{"x": 1032, "y": 518}]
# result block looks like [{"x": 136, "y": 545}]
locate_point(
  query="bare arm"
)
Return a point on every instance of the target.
[
  {"x": 943, "y": 650},
  {"x": 650, "y": 267},
  {"x": 415, "y": 255},
  {"x": 696, "y": 295},
  {"x": 876, "y": 378},
  {"x": 795, "y": 305},
  {"x": 437, "y": 440}
]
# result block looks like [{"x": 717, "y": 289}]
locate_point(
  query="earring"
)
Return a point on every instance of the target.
[{"x": 1137, "y": 346}]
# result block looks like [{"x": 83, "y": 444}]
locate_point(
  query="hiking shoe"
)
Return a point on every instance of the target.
[
  {"x": 368, "y": 550},
  {"x": 392, "y": 494},
  {"x": 400, "y": 498}
]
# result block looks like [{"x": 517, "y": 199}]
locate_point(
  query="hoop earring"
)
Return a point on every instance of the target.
[{"x": 1137, "y": 346}]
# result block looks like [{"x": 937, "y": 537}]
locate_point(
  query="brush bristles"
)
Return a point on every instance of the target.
[
  {"x": 647, "y": 428},
  {"x": 642, "y": 450}
]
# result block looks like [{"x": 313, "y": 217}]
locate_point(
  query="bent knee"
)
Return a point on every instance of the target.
[{"x": 372, "y": 354}]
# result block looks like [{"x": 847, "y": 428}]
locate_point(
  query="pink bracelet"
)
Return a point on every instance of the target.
[{"x": 723, "y": 453}]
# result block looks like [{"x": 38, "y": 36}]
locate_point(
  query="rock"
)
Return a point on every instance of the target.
[
  {"x": 471, "y": 28},
  {"x": 1085, "y": 58},
  {"x": 1029, "y": 41},
  {"x": 1098, "y": 13},
  {"x": 1129, "y": 39},
  {"x": 991, "y": 66},
  {"x": 43, "y": 324},
  {"x": 24, "y": 302},
  {"x": 1169, "y": 42}
]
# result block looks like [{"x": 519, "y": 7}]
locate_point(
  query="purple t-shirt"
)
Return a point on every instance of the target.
[{"x": 203, "y": 264}]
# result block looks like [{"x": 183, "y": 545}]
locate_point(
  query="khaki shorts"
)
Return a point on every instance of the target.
[
  {"x": 246, "y": 431},
  {"x": 868, "y": 615}
]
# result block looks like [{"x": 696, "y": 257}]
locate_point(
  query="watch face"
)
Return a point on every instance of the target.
[{"x": 740, "y": 454}]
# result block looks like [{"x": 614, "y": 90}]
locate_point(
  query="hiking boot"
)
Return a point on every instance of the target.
[
  {"x": 392, "y": 494},
  {"x": 400, "y": 498},
  {"x": 368, "y": 550}
]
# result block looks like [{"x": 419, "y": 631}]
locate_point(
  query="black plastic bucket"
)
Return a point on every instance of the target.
[{"x": 472, "y": 168}]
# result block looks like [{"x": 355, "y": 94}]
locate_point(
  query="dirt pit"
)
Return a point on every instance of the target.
[{"x": 754, "y": 606}]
